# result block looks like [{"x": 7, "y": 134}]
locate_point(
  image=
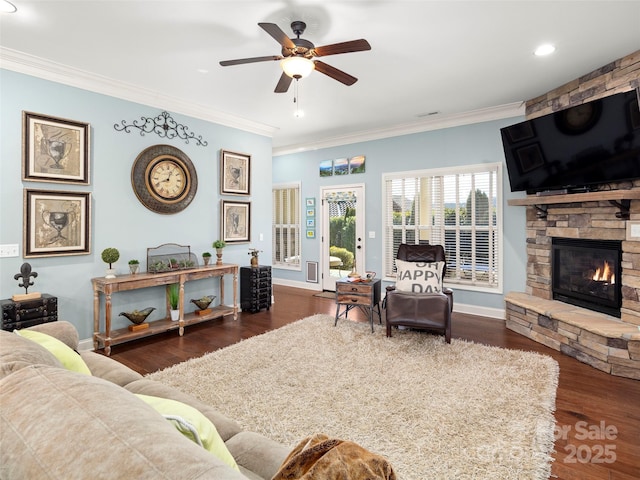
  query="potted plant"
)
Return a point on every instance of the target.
[
  {"x": 174, "y": 263},
  {"x": 206, "y": 257},
  {"x": 173, "y": 296},
  {"x": 219, "y": 245},
  {"x": 110, "y": 255},
  {"x": 134, "y": 266}
]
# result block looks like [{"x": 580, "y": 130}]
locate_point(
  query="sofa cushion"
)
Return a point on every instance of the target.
[
  {"x": 64, "y": 331},
  {"x": 70, "y": 359},
  {"x": 257, "y": 453},
  {"x": 48, "y": 415},
  {"x": 419, "y": 277},
  {"x": 192, "y": 424},
  {"x": 108, "y": 368},
  {"x": 17, "y": 352}
]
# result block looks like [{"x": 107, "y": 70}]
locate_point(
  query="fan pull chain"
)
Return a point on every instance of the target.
[{"x": 296, "y": 99}]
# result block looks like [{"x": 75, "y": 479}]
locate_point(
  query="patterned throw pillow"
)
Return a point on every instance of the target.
[{"x": 419, "y": 277}]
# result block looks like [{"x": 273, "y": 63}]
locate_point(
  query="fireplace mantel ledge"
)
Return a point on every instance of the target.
[
  {"x": 595, "y": 322},
  {"x": 607, "y": 195}
]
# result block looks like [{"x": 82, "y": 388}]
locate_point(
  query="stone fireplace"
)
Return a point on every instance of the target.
[
  {"x": 588, "y": 313},
  {"x": 587, "y": 273}
]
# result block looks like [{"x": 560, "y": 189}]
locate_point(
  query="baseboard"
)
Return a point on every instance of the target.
[
  {"x": 86, "y": 344},
  {"x": 293, "y": 283},
  {"x": 489, "y": 312}
]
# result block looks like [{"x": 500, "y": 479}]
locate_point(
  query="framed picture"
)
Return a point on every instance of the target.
[
  {"x": 235, "y": 173},
  {"x": 356, "y": 164},
  {"x": 311, "y": 234},
  {"x": 54, "y": 149},
  {"x": 326, "y": 168},
  {"x": 311, "y": 212},
  {"x": 311, "y": 202},
  {"x": 311, "y": 223},
  {"x": 56, "y": 223},
  {"x": 236, "y": 221},
  {"x": 341, "y": 166}
]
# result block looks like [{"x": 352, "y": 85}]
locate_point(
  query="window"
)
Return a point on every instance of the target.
[
  {"x": 286, "y": 226},
  {"x": 459, "y": 208}
]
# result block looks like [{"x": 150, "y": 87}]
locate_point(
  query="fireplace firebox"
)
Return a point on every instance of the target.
[{"x": 587, "y": 273}]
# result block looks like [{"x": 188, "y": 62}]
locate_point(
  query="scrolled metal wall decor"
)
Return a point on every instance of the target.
[{"x": 163, "y": 125}]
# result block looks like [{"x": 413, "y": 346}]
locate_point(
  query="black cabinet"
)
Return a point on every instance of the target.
[
  {"x": 255, "y": 288},
  {"x": 23, "y": 314}
]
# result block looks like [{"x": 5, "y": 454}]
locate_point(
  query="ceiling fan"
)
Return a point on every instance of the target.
[{"x": 298, "y": 56}]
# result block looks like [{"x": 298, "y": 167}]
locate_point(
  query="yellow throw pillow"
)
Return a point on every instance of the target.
[
  {"x": 191, "y": 422},
  {"x": 69, "y": 358}
]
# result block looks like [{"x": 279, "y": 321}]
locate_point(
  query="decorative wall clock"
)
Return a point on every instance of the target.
[{"x": 164, "y": 179}]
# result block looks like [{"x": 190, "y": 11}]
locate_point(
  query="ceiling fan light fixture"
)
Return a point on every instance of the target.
[{"x": 297, "y": 67}]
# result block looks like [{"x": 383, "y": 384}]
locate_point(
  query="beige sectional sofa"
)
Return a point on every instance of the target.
[{"x": 59, "y": 424}]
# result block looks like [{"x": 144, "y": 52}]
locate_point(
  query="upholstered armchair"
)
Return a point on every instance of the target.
[{"x": 418, "y": 299}]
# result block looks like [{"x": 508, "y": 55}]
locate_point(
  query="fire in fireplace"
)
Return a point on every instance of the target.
[{"x": 586, "y": 273}]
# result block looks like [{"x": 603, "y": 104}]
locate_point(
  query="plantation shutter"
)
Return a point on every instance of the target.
[
  {"x": 459, "y": 210},
  {"x": 286, "y": 226}
]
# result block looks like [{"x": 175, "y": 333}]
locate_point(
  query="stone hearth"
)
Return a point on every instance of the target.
[{"x": 605, "y": 342}]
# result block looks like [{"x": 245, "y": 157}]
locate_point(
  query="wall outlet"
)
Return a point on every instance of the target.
[{"x": 9, "y": 250}]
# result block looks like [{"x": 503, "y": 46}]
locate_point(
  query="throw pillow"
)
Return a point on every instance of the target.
[
  {"x": 192, "y": 424},
  {"x": 419, "y": 277},
  {"x": 70, "y": 359}
]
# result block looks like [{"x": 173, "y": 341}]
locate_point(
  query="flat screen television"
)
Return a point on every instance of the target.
[{"x": 574, "y": 149}]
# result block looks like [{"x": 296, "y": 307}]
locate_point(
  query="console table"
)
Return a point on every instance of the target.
[{"x": 108, "y": 286}]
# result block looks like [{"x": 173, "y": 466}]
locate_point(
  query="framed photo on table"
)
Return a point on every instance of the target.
[
  {"x": 236, "y": 221},
  {"x": 54, "y": 149},
  {"x": 56, "y": 223},
  {"x": 235, "y": 173}
]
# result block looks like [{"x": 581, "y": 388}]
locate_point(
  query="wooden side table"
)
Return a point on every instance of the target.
[{"x": 365, "y": 295}]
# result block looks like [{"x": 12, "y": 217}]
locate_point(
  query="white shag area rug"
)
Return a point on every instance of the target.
[{"x": 436, "y": 411}]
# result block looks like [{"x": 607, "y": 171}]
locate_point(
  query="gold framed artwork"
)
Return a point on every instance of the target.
[
  {"x": 235, "y": 173},
  {"x": 56, "y": 223},
  {"x": 236, "y": 221},
  {"x": 54, "y": 149}
]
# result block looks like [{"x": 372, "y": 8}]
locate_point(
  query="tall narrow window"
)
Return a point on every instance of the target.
[
  {"x": 459, "y": 208},
  {"x": 286, "y": 226}
]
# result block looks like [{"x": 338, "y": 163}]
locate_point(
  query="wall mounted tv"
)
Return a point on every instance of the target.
[{"x": 574, "y": 149}]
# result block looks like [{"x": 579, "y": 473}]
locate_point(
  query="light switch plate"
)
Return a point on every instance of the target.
[
  {"x": 633, "y": 230},
  {"x": 9, "y": 250}
]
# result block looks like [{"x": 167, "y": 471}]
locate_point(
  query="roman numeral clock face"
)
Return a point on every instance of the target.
[{"x": 164, "y": 179}]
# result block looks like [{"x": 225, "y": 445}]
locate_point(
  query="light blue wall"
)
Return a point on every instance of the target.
[
  {"x": 471, "y": 144},
  {"x": 119, "y": 219}
]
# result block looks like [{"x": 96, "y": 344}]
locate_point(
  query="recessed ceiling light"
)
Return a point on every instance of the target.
[
  {"x": 7, "y": 7},
  {"x": 202, "y": 70},
  {"x": 545, "y": 49}
]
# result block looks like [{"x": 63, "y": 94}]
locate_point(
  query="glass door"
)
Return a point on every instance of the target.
[{"x": 342, "y": 233}]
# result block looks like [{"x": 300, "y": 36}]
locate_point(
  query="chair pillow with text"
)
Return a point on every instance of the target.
[{"x": 419, "y": 277}]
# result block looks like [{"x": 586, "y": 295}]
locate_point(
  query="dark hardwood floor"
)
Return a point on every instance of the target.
[{"x": 597, "y": 415}]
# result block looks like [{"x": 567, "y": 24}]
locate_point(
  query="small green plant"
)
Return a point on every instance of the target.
[
  {"x": 219, "y": 244},
  {"x": 110, "y": 255},
  {"x": 173, "y": 291},
  {"x": 206, "y": 254},
  {"x": 134, "y": 262}
]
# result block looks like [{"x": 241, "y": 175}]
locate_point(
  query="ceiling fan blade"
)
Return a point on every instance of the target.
[
  {"x": 276, "y": 32},
  {"x": 334, "y": 73},
  {"x": 343, "y": 47},
  {"x": 240, "y": 61},
  {"x": 283, "y": 83}
]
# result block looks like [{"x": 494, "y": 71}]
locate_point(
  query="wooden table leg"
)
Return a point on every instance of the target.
[{"x": 107, "y": 322}]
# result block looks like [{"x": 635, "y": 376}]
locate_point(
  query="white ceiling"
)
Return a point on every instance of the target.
[{"x": 426, "y": 56}]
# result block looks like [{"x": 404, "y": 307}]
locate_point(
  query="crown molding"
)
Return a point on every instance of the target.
[
  {"x": 436, "y": 122},
  {"x": 38, "y": 67}
]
